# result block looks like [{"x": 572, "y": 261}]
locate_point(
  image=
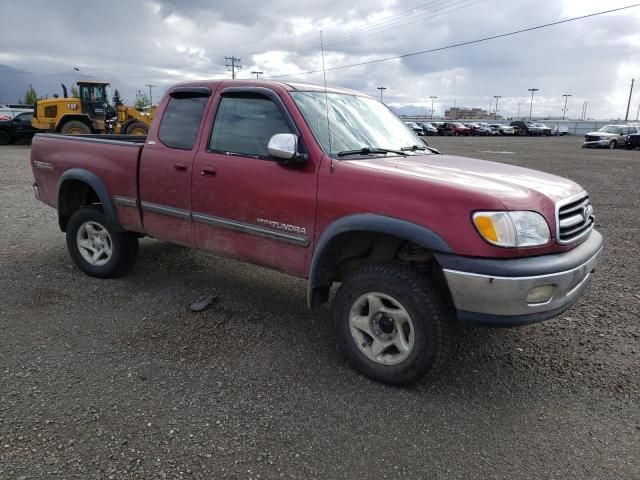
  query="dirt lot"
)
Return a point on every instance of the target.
[{"x": 119, "y": 379}]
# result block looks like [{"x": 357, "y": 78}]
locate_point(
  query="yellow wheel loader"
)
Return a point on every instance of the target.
[{"x": 93, "y": 112}]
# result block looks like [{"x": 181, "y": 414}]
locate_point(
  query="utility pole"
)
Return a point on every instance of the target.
[
  {"x": 257, "y": 74},
  {"x": 564, "y": 110},
  {"x": 532, "y": 90},
  {"x": 150, "y": 97},
  {"x": 519, "y": 103},
  {"x": 626, "y": 117},
  {"x": 490, "y": 107},
  {"x": 497, "y": 97},
  {"x": 638, "y": 112},
  {"x": 432, "y": 99},
  {"x": 381, "y": 90},
  {"x": 584, "y": 111},
  {"x": 232, "y": 65}
]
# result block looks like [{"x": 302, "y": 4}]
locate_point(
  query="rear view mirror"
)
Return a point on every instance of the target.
[{"x": 284, "y": 146}]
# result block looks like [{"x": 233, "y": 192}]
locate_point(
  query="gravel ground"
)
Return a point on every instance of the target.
[{"x": 119, "y": 379}]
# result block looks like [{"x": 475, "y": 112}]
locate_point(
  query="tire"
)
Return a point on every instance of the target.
[
  {"x": 613, "y": 145},
  {"x": 403, "y": 293},
  {"x": 137, "y": 128},
  {"x": 5, "y": 138},
  {"x": 89, "y": 225},
  {"x": 75, "y": 127}
]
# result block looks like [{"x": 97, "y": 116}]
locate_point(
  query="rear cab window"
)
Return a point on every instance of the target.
[{"x": 181, "y": 121}]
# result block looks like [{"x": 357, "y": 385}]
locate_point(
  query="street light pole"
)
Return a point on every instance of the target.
[
  {"x": 519, "y": 103},
  {"x": 532, "y": 90},
  {"x": 257, "y": 74},
  {"x": 432, "y": 99},
  {"x": 381, "y": 90},
  {"x": 564, "y": 110},
  {"x": 497, "y": 97}
]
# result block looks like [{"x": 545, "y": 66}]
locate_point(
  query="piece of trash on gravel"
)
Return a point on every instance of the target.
[{"x": 203, "y": 302}]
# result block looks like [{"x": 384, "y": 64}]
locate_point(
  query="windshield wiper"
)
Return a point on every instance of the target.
[
  {"x": 413, "y": 148},
  {"x": 369, "y": 151}
]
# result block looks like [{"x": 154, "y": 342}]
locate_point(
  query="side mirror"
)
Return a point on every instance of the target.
[{"x": 284, "y": 146}]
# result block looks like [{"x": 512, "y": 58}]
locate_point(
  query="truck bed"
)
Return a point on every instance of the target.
[{"x": 112, "y": 160}]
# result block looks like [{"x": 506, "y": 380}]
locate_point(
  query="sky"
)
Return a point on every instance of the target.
[{"x": 163, "y": 42}]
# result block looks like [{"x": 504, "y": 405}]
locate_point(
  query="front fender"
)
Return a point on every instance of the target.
[{"x": 328, "y": 246}]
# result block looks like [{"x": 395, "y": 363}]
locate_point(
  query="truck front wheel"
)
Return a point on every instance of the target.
[
  {"x": 96, "y": 248},
  {"x": 391, "y": 323}
]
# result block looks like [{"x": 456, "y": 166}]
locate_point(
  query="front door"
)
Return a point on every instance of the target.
[
  {"x": 245, "y": 204},
  {"x": 165, "y": 169}
]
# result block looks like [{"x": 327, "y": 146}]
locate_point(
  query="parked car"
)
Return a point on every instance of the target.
[
  {"x": 17, "y": 128},
  {"x": 560, "y": 130},
  {"x": 415, "y": 127},
  {"x": 428, "y": 128},
  {"x": 443, "y": 239},
  {"x": 544, "y": 130},
  {"x": 609, "y": 136},
  {"x": 488, "y": 129},
  {"x": 632, "y": 141},
  {"x": 454, "y": 128},
  {"x": 526, "y": 128},
  {"x": 503, "y": 129},
  {"x": 479, "y": 129},
  {"x": 13, "y": 110}
]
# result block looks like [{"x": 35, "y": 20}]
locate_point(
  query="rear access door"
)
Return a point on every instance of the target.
[{"x": 166, "y": 165}]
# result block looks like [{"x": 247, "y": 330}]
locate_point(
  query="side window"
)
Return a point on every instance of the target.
[
  {"x": 244, "y": 125},
  {"x": 25, "y": 117},
  {"x": 181, "y": 122}
]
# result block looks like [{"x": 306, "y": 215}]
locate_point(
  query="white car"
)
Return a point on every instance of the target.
[
  {"x": 609, "y": 136},
  {"x": 13, "y": 110}
]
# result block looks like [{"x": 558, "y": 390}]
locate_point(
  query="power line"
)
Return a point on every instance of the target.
[
  {"x": 461, "y": 44},
  {"x": 447, "y": 7},
  {"x": 378, "y": 22}
]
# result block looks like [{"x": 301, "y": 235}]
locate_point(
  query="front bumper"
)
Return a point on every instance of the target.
[
  {"x": 497, "y": 291},
  {"x": 604, "y": 142}
]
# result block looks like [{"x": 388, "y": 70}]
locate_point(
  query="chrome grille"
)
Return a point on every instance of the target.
[{"x": 574, "y": 218}]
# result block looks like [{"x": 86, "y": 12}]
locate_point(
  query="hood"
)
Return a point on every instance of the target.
[
  {"x": 601, "y": 134},
  {"x": 513, "y": 186}
]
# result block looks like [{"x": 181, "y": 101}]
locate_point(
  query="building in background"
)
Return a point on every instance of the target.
[{"x": 466, "y": 113}]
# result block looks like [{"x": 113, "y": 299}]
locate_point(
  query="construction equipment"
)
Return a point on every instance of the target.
[{"x": 93, "y": 112}]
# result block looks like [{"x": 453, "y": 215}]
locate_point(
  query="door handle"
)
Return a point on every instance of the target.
[
  {"x": 208, "y": 171},
  {"x": 180, "y": 167}
]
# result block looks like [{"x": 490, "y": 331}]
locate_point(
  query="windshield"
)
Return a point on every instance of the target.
[
  {"x": 610, "y": 129},
  {"x": 108, "y": 97},
  {"x": 355, "y": 122}
]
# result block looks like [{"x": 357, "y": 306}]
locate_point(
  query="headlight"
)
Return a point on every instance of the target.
[{"x": 512, "y": 229}]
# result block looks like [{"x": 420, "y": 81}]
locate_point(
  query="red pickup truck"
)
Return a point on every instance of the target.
[{"x": 332, "y": 187}]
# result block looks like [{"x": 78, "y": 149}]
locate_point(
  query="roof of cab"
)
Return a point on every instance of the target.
[{"x": 289, "y": 86}]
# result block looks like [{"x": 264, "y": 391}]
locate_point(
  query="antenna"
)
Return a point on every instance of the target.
[{"x": 326, "y": 102}]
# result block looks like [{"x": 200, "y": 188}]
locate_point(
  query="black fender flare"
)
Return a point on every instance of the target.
[
  {"x": 324, "y": 257},
  {"x": 91, "y": 179}
]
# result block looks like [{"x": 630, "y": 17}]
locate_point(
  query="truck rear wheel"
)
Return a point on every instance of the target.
[
  {"x": 75, "y": 127},
  {"x": 137, "y": 128},
  {"x": 96, "y": 248},
  {"x": 391, "y": 323}
]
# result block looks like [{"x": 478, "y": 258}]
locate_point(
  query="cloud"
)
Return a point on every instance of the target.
[{"x": 166, "y": 41}]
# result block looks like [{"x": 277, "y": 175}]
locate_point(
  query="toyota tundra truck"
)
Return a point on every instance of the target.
[{"x": 329, "y": 185}]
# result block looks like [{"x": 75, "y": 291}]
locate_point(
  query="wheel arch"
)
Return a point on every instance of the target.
[
  {"x": 78, "y": 187},
  {"x": 387, "y": 232}
]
